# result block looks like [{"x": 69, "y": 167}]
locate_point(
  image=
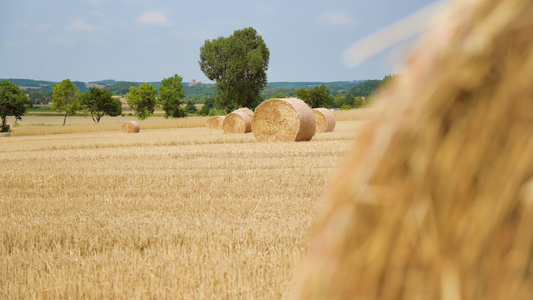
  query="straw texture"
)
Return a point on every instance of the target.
[
  {"x": 247, "y": 111},
  {"x": 325, "y": 120},
  {"x": 283, "y": 120},
  {"x": 436, "y": 199},
  {"x": 215, "y": 122},
  {"x": 237, "y": 122},
  {"x": 131, "y": 127}
]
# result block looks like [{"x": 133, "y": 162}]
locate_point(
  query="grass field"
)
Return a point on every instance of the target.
[{"x": 180, "y": 213}]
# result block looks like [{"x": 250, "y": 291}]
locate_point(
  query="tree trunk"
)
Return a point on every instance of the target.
[
  {"x": 65, "y": 119},
  {"x": 3, "y": 124}
]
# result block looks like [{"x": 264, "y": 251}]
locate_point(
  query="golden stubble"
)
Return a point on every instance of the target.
[{"x": 186, "y": 213}]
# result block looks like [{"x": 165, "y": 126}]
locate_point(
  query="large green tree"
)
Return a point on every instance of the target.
[
  {"x": 65, "y": 98},
  {"x": 142, "y": 100},
  {"x": 99, "y": 102},
  {"x": 171, "y": 97},
  {"x": 238, "y": 64},
  {"x": 13, "y": 102}
]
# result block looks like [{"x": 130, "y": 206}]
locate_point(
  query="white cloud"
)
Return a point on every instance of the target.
[
  {"x": 79, "y": 25},
  {"x": 155, "y": 18},
  {"x": 338, "y": 19}
]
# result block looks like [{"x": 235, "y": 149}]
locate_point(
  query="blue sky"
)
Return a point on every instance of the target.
[{"x": 141, "y": 40}]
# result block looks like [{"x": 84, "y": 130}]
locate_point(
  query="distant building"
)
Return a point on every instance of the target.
[{"x": 194, "y": 82}]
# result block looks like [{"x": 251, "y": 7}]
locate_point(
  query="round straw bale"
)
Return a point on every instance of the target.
[
  {"x": 283, "y": 120},
  {"x": 247, "y": 111},
  {"x": 237, "y": 122},
  {"x": 131, "y": 127},
  {"x": 325, "y": 120},
  {"x": 436, "y": 199},
  {"x": 215, "y": 122}
]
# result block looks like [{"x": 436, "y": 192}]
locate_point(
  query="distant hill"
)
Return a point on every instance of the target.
[
  {"x": 28, "y": 84},
  {"x": 121, "y": 88}
]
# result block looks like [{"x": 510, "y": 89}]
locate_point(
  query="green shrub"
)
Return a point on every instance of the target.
[{"x": 216, "y": 112}]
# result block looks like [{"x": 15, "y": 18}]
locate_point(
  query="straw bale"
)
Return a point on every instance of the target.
[
  {"x": 283, "y": 120},
  {"x": 325, "y": 120},
  {"x": 237, "y": 122},
  {"x": 435, "y": 201},
  {"x": 131, "y": 127},
  {"x": 247, "y": 111},
  {"x": 215, "y": 122}
]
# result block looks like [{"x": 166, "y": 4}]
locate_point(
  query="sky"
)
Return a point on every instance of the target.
[{"x": 148, "y": 40}]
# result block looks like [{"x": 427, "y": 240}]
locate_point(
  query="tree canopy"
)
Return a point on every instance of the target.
[
  {"x": 40, "y": 97},
  {"x": 142, "y": 100},
  {"x": 13, "y": 102},
  {"x": 171, "y": 97},
  {"x": 65, "y": 98},
  {"x": 238, "y": 64},
  {"x": 99, "y": 102},
  {"x": 318, "y": 96}
]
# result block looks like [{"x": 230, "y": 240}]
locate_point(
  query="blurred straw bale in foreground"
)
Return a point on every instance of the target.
[{"x": 436, "y": 199}]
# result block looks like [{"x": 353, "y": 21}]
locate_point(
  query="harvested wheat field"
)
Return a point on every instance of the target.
[{"x": 179, "y": 213}]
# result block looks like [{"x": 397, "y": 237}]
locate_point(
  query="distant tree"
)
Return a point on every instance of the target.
[
  {"x": 349, "y": 100},
  {"x": 142, "y": 100},
  {"x": 13, "y": 102},
  {"x": 366, "y": 88},
  {"x": 40, "y": 97},
  {"x": 208, "y": 104},
  {"x": 190, "y": 108},
  {"x": 318, "y": 96},
  {"x": 303, "y": 94},
  {"x": 389, "y": 78},
  {"x": 65, "y": 98},
  {"x": 358, "y": 102},
  {"x": 121, "y": 88},
  {"x": 280, "y": 95},
  {"x": 99, "y": 102},
  {"x": 171, "y": 97},
  {"x": 238, "y": 64},
  {"x": 340, "y": 100}
]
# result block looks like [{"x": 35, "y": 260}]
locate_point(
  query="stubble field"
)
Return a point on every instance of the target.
[{"x": 180, "y": 213}]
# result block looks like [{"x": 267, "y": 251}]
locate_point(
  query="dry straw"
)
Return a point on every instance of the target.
[
  {"x": 247, "y": 111},
  {"x": 215, "y": 122},
  {"x": 131, "y": 127},
  {"x": 283, "y": 120},
  {"x": 436, "y": 199},
  {"x": 237, "y": 122},
  {"x": 325, "y": 120}
]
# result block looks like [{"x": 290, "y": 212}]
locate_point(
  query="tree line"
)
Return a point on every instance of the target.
[{"x": 237, "y": 64}]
